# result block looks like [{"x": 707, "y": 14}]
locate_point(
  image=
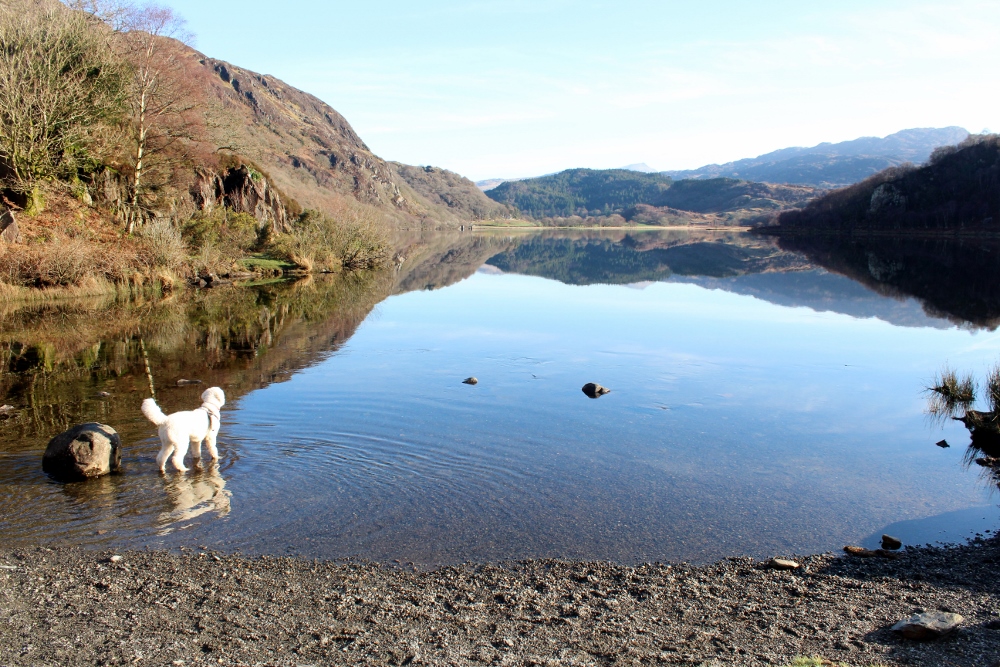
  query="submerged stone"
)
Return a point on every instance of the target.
[{"x": 471, "y": 380}]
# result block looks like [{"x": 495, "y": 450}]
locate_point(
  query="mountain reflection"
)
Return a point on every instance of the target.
[{"x": 954, "y": 278}]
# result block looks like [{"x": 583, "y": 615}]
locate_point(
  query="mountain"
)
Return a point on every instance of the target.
[
  {"x": 958, "y": 190},
  {"x": 640, "y": 166},
  {"x": 490, "y": 183},
  {"x": 644, "y": 198},
  {"x": 829, "y": 165},
  {"x": 313, "y": 155}
]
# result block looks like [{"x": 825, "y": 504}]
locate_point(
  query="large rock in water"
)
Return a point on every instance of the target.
[{"x": 84, "y": 451}]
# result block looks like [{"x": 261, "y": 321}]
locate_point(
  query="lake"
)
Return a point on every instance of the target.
[{"x": 768, "y": 398}]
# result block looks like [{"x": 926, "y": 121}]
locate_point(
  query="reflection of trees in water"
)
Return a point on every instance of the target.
[
  {"x": 57, "y": 358},
  {"x": 954, "y": 278},
  {"x": 199, "y": 491}
]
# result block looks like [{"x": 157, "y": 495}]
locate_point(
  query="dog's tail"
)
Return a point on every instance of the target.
[{"x": 153, "y": 412}]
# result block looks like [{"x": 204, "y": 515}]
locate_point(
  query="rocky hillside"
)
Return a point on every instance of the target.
[{"x": 313, "y": 155}]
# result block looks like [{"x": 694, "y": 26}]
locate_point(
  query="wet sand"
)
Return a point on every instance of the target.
[{"x": 194, "y": 607}]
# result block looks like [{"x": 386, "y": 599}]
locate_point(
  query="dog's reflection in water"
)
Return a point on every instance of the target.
[{"x": 198, "y": 492}]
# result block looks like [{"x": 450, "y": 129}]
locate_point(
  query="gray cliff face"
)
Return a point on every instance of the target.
[{"x": 242, "y": 190}]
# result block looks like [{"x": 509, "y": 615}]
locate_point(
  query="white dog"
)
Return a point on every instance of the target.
[{"x": 189, "y": 427}]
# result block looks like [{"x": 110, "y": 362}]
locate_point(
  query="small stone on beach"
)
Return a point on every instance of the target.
[
  {"x": 115, "y": 559},
  {"x": 928, "y": 625},
  {"x": 784, "y": 564},
  {"x": 182, "y": 382},
  {"x": 471, "y": 380},
  {"x": 891, "y": 543}
]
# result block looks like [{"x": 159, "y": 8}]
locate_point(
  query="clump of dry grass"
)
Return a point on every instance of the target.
[{"x": 65, "y": 261}]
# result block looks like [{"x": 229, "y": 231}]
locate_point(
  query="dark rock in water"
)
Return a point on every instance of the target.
[
  {"x": 988, "y": 461},
  {"x": 928, "y": 625},
  {"x": 82, "y": 452},
  {"x": 595, "y": 390},
  {"x": 471, "y": 380},
  {"x": 943, "y": 444},
  {"x": 183, "y": 383},
  {"x": 891, "y": 543}
]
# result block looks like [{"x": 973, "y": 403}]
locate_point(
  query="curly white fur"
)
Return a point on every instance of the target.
[{"x": 191, "y": 427}]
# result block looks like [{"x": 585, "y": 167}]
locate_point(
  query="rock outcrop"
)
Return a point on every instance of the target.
[
  {"x": 9, "y": 233},
  {"x": 241, "y": 189},
  {"x": 84, "y": 451}
]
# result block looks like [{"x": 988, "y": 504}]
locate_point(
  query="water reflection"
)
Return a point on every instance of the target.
[
  {"x": 758, "y": 406},
  {"x": 954, "y": 277},
  {"x": 201, "y": 490}
]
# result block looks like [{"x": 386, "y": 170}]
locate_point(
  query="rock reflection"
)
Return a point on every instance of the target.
[{"x": 200, "y": 491}]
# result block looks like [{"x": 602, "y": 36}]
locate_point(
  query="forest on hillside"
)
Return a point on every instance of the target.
[
  {"x": 958, "y": 190},
  {"x": 640, "y": 198}
]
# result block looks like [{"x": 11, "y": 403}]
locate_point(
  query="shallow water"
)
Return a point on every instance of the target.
[{"x": 760, "y": 405}]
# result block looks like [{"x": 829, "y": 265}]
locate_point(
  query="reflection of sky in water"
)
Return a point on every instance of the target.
[{"x": 734, "y": 426}]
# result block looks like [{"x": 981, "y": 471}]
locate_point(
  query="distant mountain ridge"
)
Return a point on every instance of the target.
[{"x": 829, "y": 165}]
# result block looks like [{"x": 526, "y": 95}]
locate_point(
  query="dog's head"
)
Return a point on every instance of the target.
[{"x": 214, "y": 396}]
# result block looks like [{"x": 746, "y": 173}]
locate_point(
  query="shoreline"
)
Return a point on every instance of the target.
[{"x": 75, "y": 606}]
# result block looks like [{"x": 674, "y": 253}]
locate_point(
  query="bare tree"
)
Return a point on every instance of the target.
[{"x": 159, "y": 101}]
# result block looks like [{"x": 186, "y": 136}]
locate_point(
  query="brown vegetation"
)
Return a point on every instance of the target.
[{"x": 125, "y": 154}]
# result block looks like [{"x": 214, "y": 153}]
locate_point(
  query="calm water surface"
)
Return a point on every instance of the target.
[{"x": 761, "y": 404}]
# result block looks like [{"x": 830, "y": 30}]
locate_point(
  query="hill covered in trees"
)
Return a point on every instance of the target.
[
  {"x": 957, "y": 191},
  {"x": 644, "y": 198},
  {"x": 829, "y": 165}
]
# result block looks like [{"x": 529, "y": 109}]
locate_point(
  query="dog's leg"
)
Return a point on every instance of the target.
[
  {"x": 178, "y": 457},
  {"x": 212, "y": 449},
  {"x": 196, "y": 449},
  {"x": 161, "y": 459}
]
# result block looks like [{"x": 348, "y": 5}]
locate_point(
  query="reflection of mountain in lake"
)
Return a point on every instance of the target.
[
  {"x": 823, "y": 291},
  {"x": 585, "y": 260},
  {"x": 733, "y": 262},
  {"x": 954, "y": 278}
]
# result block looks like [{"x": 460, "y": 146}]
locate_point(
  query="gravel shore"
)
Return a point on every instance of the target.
[{"x": 78, "y": 607}]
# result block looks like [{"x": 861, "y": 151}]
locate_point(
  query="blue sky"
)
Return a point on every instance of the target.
[{"x": 509, "y": 88}]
